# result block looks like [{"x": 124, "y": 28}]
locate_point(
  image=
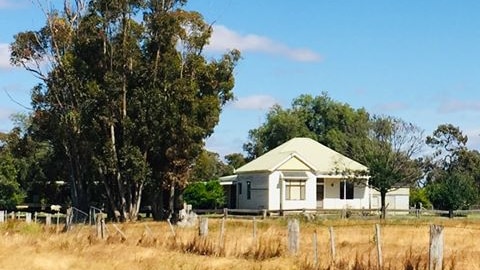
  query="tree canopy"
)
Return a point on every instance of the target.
[
  {"x": 387, "y": 146},
  {"x": 129, "y": 97},
  {"x": 454, "y": 171}
]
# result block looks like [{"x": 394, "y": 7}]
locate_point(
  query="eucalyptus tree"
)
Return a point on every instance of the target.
[
  {"x": 453, "y": 174},
  {"x": 392, "y": 155},
  {"x": 332, "y": 123},
  {"x": 129, "y": 97},
  {"x": 388, "y": 146}
]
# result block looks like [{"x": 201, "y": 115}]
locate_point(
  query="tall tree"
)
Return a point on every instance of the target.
[
  {"x": 235, "y": 160},
  {"x": 391, "y": 155},
  {"x": 386, "y": 145},
  {"x": 453, "y": 174},
  {"x": 334, "y": 124},
  {"x": 11, "y": 193},
  {"x": 208, "y": 166},
  {"x": 127, "y": 101}
]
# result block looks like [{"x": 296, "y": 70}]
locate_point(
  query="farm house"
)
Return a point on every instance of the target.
[{"x": 304, "y": 174}]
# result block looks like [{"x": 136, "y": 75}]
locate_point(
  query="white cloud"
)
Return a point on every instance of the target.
[
  {"x": 223, "y": 145},
  {"x": 4, "y": 4},
  {"x": 5, "y": 113},
  {"x": 473, "y": 138},
  {"x": 391, "y": 106},
  {"x": 255, "y": 102},
  {"x": 224, "y": 39},
  {"x": 4, "y": 56},
  {"x": 455, "y": 105}
]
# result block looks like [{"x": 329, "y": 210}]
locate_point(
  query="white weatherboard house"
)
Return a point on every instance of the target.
[{"x": 303, "y": 174}]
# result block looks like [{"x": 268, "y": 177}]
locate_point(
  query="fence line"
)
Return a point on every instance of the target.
[{"x": 436, "y": 244}]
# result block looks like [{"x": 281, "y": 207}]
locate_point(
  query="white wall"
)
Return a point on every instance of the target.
[
  {"x": 259, "y": 191},
  {"x": 397, "y": 199},
  {"x": 332, "y": 196},
  {"x": 276, "y": 185}
]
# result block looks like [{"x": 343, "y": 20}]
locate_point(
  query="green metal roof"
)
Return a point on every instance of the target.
[{"x": 318, "y": 157}]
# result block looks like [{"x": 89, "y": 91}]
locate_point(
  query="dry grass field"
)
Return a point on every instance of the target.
[{"x": 151, "y": 245}]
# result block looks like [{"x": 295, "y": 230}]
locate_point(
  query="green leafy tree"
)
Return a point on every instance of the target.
[
  {"x": 205, "y": 195},
  {"x": 209, "y": 166},
  {"x": 128, "y": 102},
  {"x": 453, "y": 171},
  {"x": 10, "y": 191},
  {"x": 235, "y": 160},
  {"x": 389, "y": 154},
  {"x": 419, "y": 195},
  {"x": 452, "y": 191},
  {"x": 334, "y": 124}
]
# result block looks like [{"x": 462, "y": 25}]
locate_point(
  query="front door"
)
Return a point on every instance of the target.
[{"x": 320, "y": 192}]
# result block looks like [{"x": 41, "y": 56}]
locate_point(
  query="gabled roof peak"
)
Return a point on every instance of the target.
[{"x": 311, "y": 152}]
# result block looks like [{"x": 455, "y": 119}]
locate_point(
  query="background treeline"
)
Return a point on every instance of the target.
[{"x": 127, "y": 98}]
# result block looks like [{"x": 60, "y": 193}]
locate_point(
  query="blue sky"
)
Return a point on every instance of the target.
[{"x": 417, "y": 60}]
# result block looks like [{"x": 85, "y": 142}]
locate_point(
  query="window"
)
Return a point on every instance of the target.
[
  {"x": 346, "y": 187},
  {"x": 249, "y": 190},
  {"x": 239, "y": 188},
  {"x": 295, "y": 189}
]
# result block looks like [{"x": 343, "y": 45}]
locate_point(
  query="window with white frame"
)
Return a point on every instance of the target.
[{"x": 295, "y": 189}]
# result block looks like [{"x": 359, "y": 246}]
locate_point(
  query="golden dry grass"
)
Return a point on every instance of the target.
[{"x": 404, "y": 245}]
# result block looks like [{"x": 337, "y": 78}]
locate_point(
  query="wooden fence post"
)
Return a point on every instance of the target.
[
  {"x": 171, "y": 227},
  {"x": 48, "y": 219},
  {"x": 69, "y": 219},
  {"x": 124, "y": 237},
  {"x": 436, "y": 247},
  {"x": 28, "y": 218},
  {"x": 254, "y": 232},
  {"x": 222, "y": 232},
  {"x": 332, "y": 244},
  {"x": 379, "y": 246},
  {"x": 2, "y": 216},
  {"x": 293, "y": 236},
  {"x": 101, "y": 233},
  {"x": 225, "y": 212},
  {"x": 203, "y": 227},
  {"x": 315, "y": 249}
]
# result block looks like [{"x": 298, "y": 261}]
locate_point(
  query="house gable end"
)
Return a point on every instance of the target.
[{"x": 294, "y": 163}]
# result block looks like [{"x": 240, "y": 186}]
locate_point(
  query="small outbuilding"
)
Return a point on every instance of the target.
[{"x": 302, "y": 174}]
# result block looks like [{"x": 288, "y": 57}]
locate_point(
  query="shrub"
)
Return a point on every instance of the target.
[{"x": 205, "y": 195}]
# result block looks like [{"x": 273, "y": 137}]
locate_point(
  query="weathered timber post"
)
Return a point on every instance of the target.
[
  {"x": 58, "y": 220},
  {"x": 264, "y": 213},
  {"x": 254, "y": 232},
  {"x": 2, "y": 216},
  {"x": 69, "y": 219},
  {"x": 101, "y": 233},
  {"x": 203, "y": 227},
  {"x": 28, "y": 218},
  {"x": 315, "y": 249},
  {"x": 48, "y": 219},
  {"x": 332, "y": 244},
  {"x": 124, "y": 237},
  {"x": 35, "y": 217},
  {"x": 293, "y": 236},
  {"x": 13, "y": 215},
  {"x": 225, "y": 212},
  {"x": 171, "y": 227},
  {"x": 436, "y": 248},
  {"x": 222, "y": 232},
  {"x": 378, "y": 241}
]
